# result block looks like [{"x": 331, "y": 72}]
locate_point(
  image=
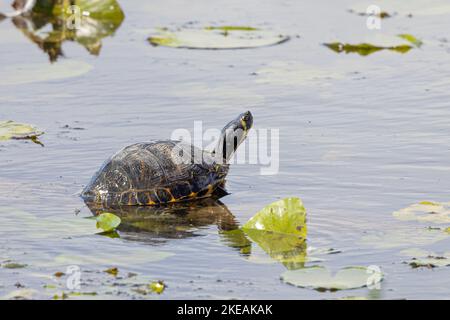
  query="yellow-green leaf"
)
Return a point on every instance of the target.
[
  {"x": 410, "y": 38},
  {"x": 108, "y": 221}
]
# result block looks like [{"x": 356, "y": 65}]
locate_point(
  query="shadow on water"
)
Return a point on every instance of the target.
[{"x": 50, "y": 23}]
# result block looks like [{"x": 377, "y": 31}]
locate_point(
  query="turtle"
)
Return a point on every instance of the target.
[{"x": 162, "y": 172}]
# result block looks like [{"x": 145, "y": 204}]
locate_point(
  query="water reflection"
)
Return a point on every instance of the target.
[
  {"x": 157, "y": 225},
  {"x": 50, "y": 23}
]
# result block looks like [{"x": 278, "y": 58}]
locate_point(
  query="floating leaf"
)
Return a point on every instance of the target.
[
  {"x": 216, "y": 37},
  {"x": 107, "y": 221},
  {"x": 287, "y": 216},
  {"x": 364, "y": 49},
  {"x": 112, "y": 271},
  {"x": 16, "y": 130},
  {"x": 157, "y": 287},
  {"x": 36, "y": 72},
  {"x": 425, "y": 259},
  {"x": 13, "y": 265},
  {"x": 410, "y": 38},
  {"x": 59, "y": 274},
  {"x": 280, "y": 230},
  {"x": 425, "y": 211},
  {"x": 20, "y": 294},
  {"x": 403, "y": 237},
  {"x": 320, "y": 278}
]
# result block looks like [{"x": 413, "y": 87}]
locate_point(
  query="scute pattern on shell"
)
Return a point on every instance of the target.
[{"x": 148, "y": 173}]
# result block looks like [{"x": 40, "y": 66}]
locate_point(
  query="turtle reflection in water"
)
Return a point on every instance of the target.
[
  {"x": 158, "y": 224},
  {"x": 102, "y": 20}
]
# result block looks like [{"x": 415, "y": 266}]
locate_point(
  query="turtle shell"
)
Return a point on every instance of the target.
[{"x": 155, "y": 173}]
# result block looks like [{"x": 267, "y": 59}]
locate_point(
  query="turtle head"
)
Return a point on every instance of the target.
[{"x": 232, "y": 135}]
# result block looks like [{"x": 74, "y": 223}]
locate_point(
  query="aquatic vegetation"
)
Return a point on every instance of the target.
[
  {"x": 216, "y": 37},
  {"x": 403, "y": 237},
  {"x": 25, "y": 73},
  {"x": 320, "y": 278},
  {"x": 285, "y": 217},
  {"x": 107, "y": 221},
  {"x": 365, "y": 49},
  {"x": 280, "y": 230},
  {"x": 425, "y": 211},
  {"x": 410, "y": 38},
  {"x": 112, "y": 271},
  {"x": 13, "y": 265},
  {"x": 425, "y": 259},
  {"x": 16, "y": 130},
  {"x": 157, "y": 287}
]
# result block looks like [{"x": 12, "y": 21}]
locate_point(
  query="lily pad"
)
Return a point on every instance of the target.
[
  {"x": 13, "y": 265},
  {"x": 364, "y": 49},
  {"x": 320, "y": 278},
  {"x": 286, "y": 217},
  {"x": 107, "y": 221},
  {"x": 403, "y": 237},
  {"x": 16, "y": 130},
  {"x": 425, "y": 211},
  {"x": 25, "y": 73},
  {"x": 425, "y": 259},
  {"x": 280, "y": 230},
  {"x": 216, "y": 37}
]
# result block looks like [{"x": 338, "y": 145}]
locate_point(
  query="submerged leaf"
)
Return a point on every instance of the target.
[
  {"x": 108, "y": 221},
  {"x": 320, "y": 278},
  {"x": 216, "y": 37}
]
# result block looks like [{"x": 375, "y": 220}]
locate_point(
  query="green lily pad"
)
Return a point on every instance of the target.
[
  {"x": 280, "y": 230},
  {"x": 16, "y": 130},
  {"x": 216, "y": 37},
  {"x": 286, "y": 217},
  {"x": 108, "y": 221},
  {"x": 320, "y": 278},
  {"x": 425, "y": 211}
]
